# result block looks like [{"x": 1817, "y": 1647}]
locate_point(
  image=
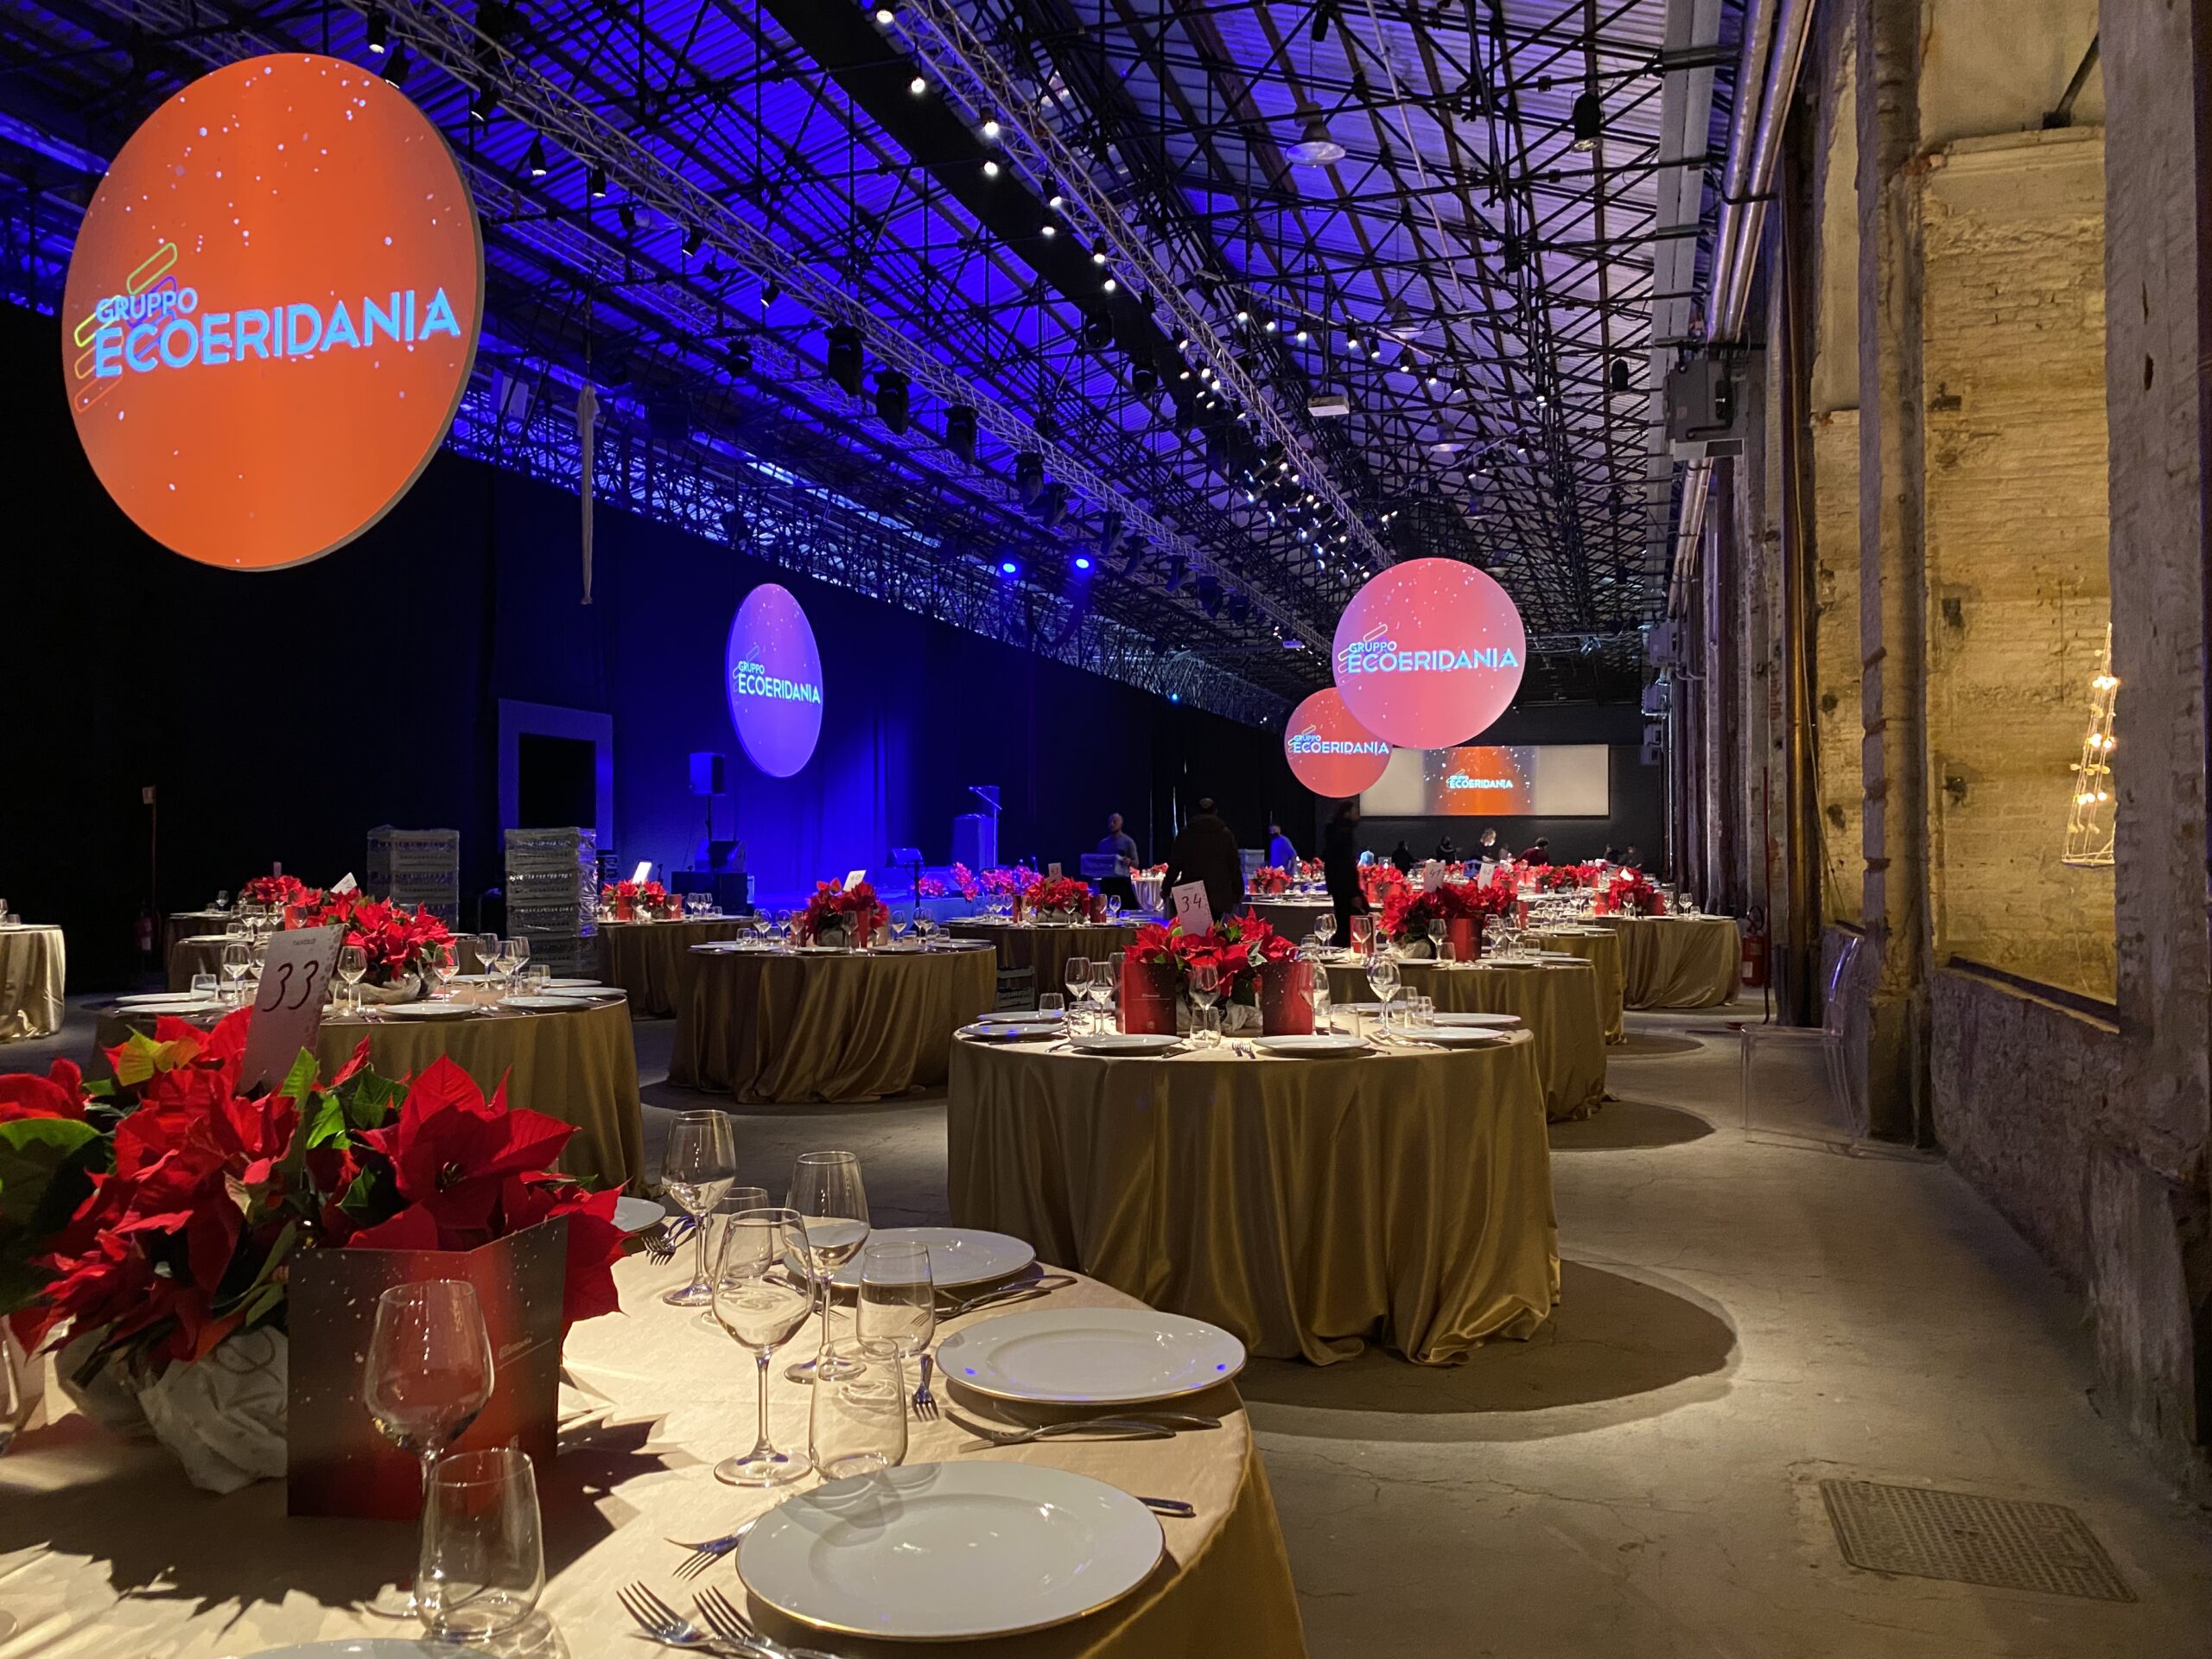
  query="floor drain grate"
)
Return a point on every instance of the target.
[{"x": 2001, "y": 1542}]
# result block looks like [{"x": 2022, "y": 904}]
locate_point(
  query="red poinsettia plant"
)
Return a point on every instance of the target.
[
  {"x": 281, "y": 890},
  {"x": 1003, "y": 883},
  {"x": 648, "y": 895},
  {"x": 1238, "y": 947},
  {"x": 1407, "y": 913},
  {"x": 1379, "y": 880},
  {"x": 836, "y": 908},
  {"x": 1052, "y": 892},
  {"x": 962, "y": 879},
  {"x": 1568, "y": 878},
  {"x": 397, "y": 940},
  {"x": 1270, "y": 879},
  {"x": 1631, "y": 893},
  {"x": 160, "y": 1213},
  {"x": 1311, "y": 869}
]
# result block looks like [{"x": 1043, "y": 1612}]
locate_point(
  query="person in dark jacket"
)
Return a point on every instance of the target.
[
  {"x": 1206, "y": 851},
  {"x": 1340, "y": 867},
  {"x": 1402, "y": 857},
  {"x": 1539, "y": 854},
  {"x": 1446, "y": 851},
  {"x": 1491, "y": 847}
]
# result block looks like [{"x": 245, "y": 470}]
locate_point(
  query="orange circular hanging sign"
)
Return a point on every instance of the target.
[{"x": 272, "y": 311}]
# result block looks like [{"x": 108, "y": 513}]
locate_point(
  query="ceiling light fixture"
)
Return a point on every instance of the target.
[
  {"x": 1315, "y": 147},
  {"x": 1589, "y": 121},
  {"x": 535, "y": 163},
  {"x": 379, "y": 28},
  {"x": 918, "y": 85}
]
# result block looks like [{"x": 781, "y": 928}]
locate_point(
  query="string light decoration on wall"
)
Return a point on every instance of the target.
[{"x": 2089, "y": 822}]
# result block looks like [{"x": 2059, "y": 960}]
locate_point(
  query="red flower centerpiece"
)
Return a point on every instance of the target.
[
  {"x": 962, "y": 879},
  {"x": 1631, "y": 893},
  {"x": 1270, "y": 879},
  {"x": 1056, "y": 898},
  {"x": 283, "y": 891},
  {"x": 628, "y": 899},
  {"x": 843, "y": 916},
  {"x": 398, "y": 941},
  {"x": 1247, "y": 957},
  {"x": 1379, "y": 880},
  {"x": 1462, "y": 906},
  {"x": 1568, "y": 878},
  {"x": 152, "y": 1221}
]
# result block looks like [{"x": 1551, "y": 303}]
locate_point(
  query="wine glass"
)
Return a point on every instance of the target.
[
  {"x": 1113, "y": 908},
  {"x": 1436, "y": 932},
  {"x": 1319, "y": 994},
  {"x": 1205, "y": 986},
  {"x": 514, "y": 952},
  {"x": 924, "y": 924},
  {"x": 696, "y": 1167},
  {"x": 1077, "y": 973},
  {"x": 759, "y": 1309},
  {"x": 353, "y": 968},
  {"x": 444, "y": 959},
  {"x": 1324, "y": 925},
  {"x": 1383, "y": 974},
  {"x": 428, "y": 1371},
  {"x": 827, "y": 1192},
  {"x": 238, "y": 959},
  {"x": 901, "y": 919},
  {"x": 897, "y": 1314}
]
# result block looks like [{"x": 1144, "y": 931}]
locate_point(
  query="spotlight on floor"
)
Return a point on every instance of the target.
[
  {"x": 844, "y": 358},
  {"x": 1028, "y": 477},
  {"x": 960, "y": 431}
]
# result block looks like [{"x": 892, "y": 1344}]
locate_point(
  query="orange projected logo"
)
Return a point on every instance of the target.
[{"x": 272, "y": 310}]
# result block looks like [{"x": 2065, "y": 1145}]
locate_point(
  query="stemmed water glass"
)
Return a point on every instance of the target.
[
  {"x": 1113, "y": 908},
  {"x": 1077, "y": 973},
  {"x": 237, "y": 961},
  {"x": 924, "y": 924},
  {"x": 353, "y": 968},
  {"x": 1383, "y": 974},
  {"x": 901, "y": 919},
  {"x": 1436, "y": 932},
  {"x": 444, "y": 956},
  {"x": 429, "y": 1372},
  {"x": 514, "y": 952},
  {"x": 698, "y": 1165},
  {"x": 1324, "y": 927},
  {"x": 826, "y": 1193},
  {"x": 760, "y": 1309},
  {"x": 1205, "y": 986}
]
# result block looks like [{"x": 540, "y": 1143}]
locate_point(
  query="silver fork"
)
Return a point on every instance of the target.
[
  {"x": 703, "y": 1556},
  {"x": 664, "y": 1247},
  {"x": 670, "y": 1628},
  {"x": 924, "y": 1402},
  {"x": 729, "y": 1622}
]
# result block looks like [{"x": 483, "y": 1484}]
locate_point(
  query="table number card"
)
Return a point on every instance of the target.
[
  {"x": 854, "y": 878},
  {"x": 643, "y": 872},
  {"x": 1191, "y": 909},
  {"x": 1053, "y": 870},
  {"x": 344, "y": 883},
  {"x": 1432, "y": 876},
  {"x": 288, "y": 1011},
  {"x": 1489, "y": 868}
]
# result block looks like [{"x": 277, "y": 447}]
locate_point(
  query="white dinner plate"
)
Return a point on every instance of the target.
[
  {"x": 429, "y": 1010},
  {"x": 1090, "y": 1356},
  {"x": 1025, "y": 1017},
  {"x": 635, "y": 1215},
  {"x": 959, "y": 1255},
  {"x": 1320, "y": 1045},
  {"x": 1126, "y": 1042},
  {"x": 475, "y": 979},
  {"x": 587, "y": 993},
  {"x": 577, "y": 985},
  {"x": 940, "y": 1552},
  {"x": 1461, "y": 1036},
  {"x": 147, "y": 999},
  {"x": 543, "y": 1004},
  {"x": 372, "y": 1647},
  {"x": 1492, "y": 1021},
  {"x": 176, "y": 1005},
  {"x": 995, "y": 1031}
]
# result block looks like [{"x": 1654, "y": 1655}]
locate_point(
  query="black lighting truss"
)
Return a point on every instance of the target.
[{"x": 773, "y": 169}]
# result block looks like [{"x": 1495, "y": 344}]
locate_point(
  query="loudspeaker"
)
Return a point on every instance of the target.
[{"x": 709, "y": 773}]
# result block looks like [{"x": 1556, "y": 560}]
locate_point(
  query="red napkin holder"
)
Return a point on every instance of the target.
[
  {"x": 1466, "y": 938},
  {"x": 1097, "y": 906},
  {"x": 336, "y": 1462},
  {"x": 1286, "y": 998},
  {"x": 625, "y": 910},
  {"x": 1148, "y": 995}
]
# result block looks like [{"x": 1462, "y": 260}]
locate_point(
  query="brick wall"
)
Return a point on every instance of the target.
[
  {"x": 1835, "y": 658},
  {"x": 2013, "y": 372}
]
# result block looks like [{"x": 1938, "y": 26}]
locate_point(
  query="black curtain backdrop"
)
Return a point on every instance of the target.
[{"x": 280, "y": 716}]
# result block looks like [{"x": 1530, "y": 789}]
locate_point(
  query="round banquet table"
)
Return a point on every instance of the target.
[
  {"x": 1557, "y": 1002},
  {"x": 1601, "y": 948},
  {"x": 778, "y": 1025},
  {"x": 34, "y": 966},
  {"x": 645, "y": 958},
  {"x": 1310, "y": 1207},
  {"x": 1679, "y": 962},
  {"x": 1292, "y": 915},
  {"x": 579, "y": 1066},
  {"x": 107, "y": 1551},
  {"x": 196, "y": 953},
  {"x": 1026, "y": 945},
  {"x": 184, "y": 923}
]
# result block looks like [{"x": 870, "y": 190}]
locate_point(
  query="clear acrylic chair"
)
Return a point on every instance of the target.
[{"x": 1795, "y": 1081}]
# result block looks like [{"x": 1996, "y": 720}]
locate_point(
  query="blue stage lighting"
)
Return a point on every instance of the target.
[
  {"x": 1081, "y": 562},
  {"x": 1008, "y": 568}
]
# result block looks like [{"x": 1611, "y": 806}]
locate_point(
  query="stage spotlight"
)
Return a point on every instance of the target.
[
  {"x": 886, "y": 14},
  {"x": 740, "y": 357},
  {"x": 483, "y": 104},
  {"x": 1240, "y": 609},
  {"x": 990, "y": 170},
  {"x": 1053, "y": 504},
  {"x": 1620, "y": 374},
  {"x": 1145, "y": 379},
  {"x": 693, "y": 236},
  {"x": 960, "y": 431},
  {"x": 397, "y": 67},
  {"x": 918, "y": 85},
  {"x": 595, "y": 184},
  {"x": 1109, "y": 533},
  {"x": 735, "y": 529},
  {"x": 892, "y": 400},
  {"x": 1132, "y": 556},
  {"x": 380, "y": 29},
  {"x": 628, "y": 214},
  {"x": 1083, "y": 561},
  {"x": 534, "y": 164},
  {"x": 1515, "y": 254},
  {"x": 1028, "y": 477},
  {"x": 991, "y": 131},
  {"x": 1589, "y": 121},
  {"x": 1009, "y": 568},
  {"x": 1208, "y": 589},
  {"x": 1097, "y": 330},
  {"x": 844, "y": 358},
  {"x": 1177, "y": 568},
  {"x": 614, "y": 368}
]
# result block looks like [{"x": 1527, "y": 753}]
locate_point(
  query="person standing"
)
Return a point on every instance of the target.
[
  {"x": 1402, "y": 857},
  {"x": 1281, "y": 852},
  {"x": 1491, "y": 847},
  {"x": 1119, "y": 844},
  {"x": 1206, "y": 851},
  {"x": 1340, "y": 867}
]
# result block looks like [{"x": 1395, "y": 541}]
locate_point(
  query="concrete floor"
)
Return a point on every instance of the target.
[{"x": 1743, "y": 1316}]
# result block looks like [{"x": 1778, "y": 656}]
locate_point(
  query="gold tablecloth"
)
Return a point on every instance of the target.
[
  {"x": 104, "y": 1551},
  {"x": 1047, "y": 948},
  {"x": 1601, "y": 948},
  {"x": 196, "y": 953},
  {"x": 184, "y": 923},
  {"x": 34, "y": 968},
  {"x": 1309, "y": 1206},
  {"x": 1557, "y": 1002},
  {"x": 791, "y": 1027},
  {"x": 579, "y": 1067},
  {"x": 645, "y": 958},
  {"x": 1679, "y": 962},
  {"x": 1292, "y": 917}
]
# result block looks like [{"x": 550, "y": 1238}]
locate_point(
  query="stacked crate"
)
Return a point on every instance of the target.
[
  {"x": 417, "y": 867},
  {"x": 553, "y": 895}
]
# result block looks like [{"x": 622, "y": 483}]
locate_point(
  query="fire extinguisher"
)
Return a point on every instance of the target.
[{"x": 1755, "y": 948}]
